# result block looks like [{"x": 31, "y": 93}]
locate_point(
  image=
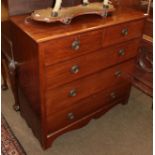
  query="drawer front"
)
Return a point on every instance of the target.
[
  {"x": 122, "y": 32},
  {"x": 76, "y": 68},
  {"x": 67, "y": 94},
  {"x": 70, "y": 47},
  {"x": 87, "y": 106}
]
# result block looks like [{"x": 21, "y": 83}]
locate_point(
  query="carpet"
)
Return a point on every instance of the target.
[{"x": 10, "y": 144}]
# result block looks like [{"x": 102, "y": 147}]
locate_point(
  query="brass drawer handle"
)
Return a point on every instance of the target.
[
  {"x": 71, "y": 116},
  {"x": 73, "y": 93},
  {"x": 76, "y": 45},
  {"x": 121, "y": 52},
  {"x": 118, "y": 74},
  {"x": 125, "y": 32},
  {"x": 75, "y": 69},
  {"x": 113, "y": 95}
]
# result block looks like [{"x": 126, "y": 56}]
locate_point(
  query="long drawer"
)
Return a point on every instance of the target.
[
  {"x": 84, "y": 107},
  {"x": 67, "y": 71},
  {"x": 122, "y": 32},
  {"x": 71, "y": 46},
  {"x": 66, "y": 95}
]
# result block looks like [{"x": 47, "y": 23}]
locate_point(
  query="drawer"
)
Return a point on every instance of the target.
[
  {"x": 69, "y": 93},
  {"x": 122, "y": 32},
  {"x": 71, "y": 47},
  {"x": 68, "y": 71},
  {"x": 104, "y": 99}
]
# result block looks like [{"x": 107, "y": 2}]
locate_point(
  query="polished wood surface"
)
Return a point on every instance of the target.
[
  {"x": 87, "y": 86},
  {"x": 50, "y": 93},
  {"x": 66, "y": 51},
  {"x": 41, "y": 32},
  {"x": 44, "y": 55},
  {"x": 90, "y": 104},
  {"x": 123, "y": 32},
  {"x": 27, "y": 112},
  {"x": 26, "y": 55},
  {"x": 67, "y": 71},
  {"x": 84, "y": 120}
]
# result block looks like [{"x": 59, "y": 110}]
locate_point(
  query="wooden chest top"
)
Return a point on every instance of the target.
[{"x": 41, "y": 32}]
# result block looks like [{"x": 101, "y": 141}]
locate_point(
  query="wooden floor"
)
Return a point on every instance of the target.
[{"x": 125, "y": 130}]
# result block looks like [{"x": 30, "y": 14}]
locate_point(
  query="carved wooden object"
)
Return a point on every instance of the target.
[{"x": 67, "y": 14}]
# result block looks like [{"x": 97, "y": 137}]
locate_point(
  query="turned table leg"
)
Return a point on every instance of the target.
[
  {"x": 14, "y": 84},
  {"x": 4, "y": 75},
  {"x": 15, "y": 92}
]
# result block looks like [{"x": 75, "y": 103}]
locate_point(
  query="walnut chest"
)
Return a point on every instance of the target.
[{"x": 69, "y": 74}]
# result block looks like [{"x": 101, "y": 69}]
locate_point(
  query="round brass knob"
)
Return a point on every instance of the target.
[
  {"x": 75, "y": 69},
  {"x": 121, "y": 52},
  {"x": 71, "y": 116},
  {"x": 125, "y": 32},
  {"x": 76, "y": 45},
  {"x": 118, "y": 74},
  {"x": 113, "y": 95},
  {"x": 73, "y": 93}
]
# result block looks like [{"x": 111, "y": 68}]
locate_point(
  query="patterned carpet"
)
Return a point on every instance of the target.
[{"x": 10, "y": 144}]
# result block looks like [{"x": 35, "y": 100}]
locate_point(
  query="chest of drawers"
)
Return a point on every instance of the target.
[{"x": 68, "y": 75}]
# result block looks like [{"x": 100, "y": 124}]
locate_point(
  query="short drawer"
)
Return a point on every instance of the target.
[
  {"x": 68, "y": 71},
  {"x": 122, "y": 32},
  {"x": 103, "y": 99},
  {"x": 72, "y": 46},
  {"x": 69, "y": 93}
]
